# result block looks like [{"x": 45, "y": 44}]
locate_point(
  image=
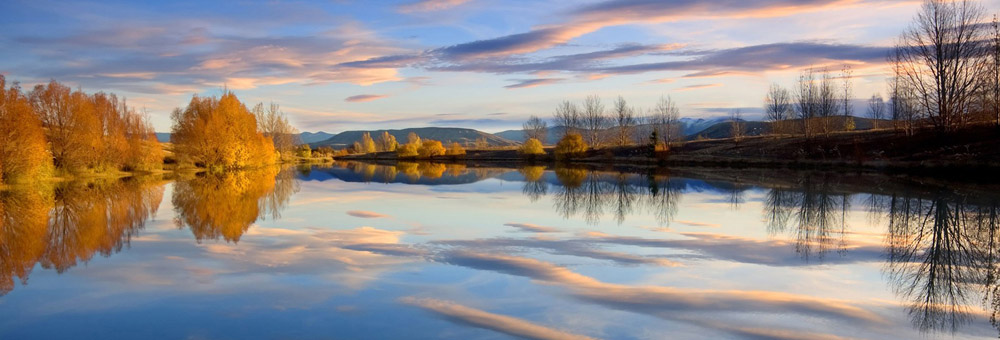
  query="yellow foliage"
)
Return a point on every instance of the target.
[
  {"x": 367, "y": 143},
  {"x": 456, "y": 169},
  {"x": 455, "y": 149},
  {"x": 571, "y": 178},
  {"x": 62, "y": 227},
  {"x": 409, "y": 169},
  {"x": 220, "y": 134},
  {"x": 432, "y": 170},
  {"x": 571, "y": 145},
  {"x": 430, "y": 148},
  {"x": 531, "y": 146},
  {"x": 407, "y": 150},
  {"x": 24, "y": 226},
  {"x": 225, "y": 205},
  {"x": 532, "y": 173},
  {"x": 24, "y": 154}
]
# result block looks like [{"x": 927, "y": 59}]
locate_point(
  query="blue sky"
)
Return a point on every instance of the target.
[{"x": 485, "y": 64}]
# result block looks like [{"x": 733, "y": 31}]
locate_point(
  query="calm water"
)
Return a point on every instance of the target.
[{"x": 433, "y": 251}]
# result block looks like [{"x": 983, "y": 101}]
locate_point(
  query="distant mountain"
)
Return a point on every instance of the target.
[
  {"x": 724, "y": 129},
  {"x": 305, "y": 137},
  {"x": 551, "y": 138},
  {"x": 692, "y": 126},
  {"x": 689, "y": 126},
  {"x": 313, "y": 137},
  {"x": 445, "y": 135}
]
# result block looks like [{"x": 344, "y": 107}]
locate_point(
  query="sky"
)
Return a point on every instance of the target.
[{"x": 342, "y": 65}]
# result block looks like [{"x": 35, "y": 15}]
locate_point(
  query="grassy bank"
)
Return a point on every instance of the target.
[{"x": 976, "y": 147}]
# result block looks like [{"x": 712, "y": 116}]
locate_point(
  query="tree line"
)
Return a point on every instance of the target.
[
  {"x": 592, "y": 124},
  {"x": 53, "y": 129},
  {"x": 415, "y": 147}
]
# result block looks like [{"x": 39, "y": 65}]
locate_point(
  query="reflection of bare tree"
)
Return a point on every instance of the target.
[
  {"x": 941, "y": 254},
  {"x": 568, "y": 197},
  {"x": 662, "y": 198},
  {"x": 225, "y": 205},
  {"x": 596, "y": 192},
  {"x": 534, "y": 186},
  {"x": 593, "y": 194},
  {"x": 625, "y": 197},
  {"x": 66, "y": 225},
  {"x": 817, "y": 215}
]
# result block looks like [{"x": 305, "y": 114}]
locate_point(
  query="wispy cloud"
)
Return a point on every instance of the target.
[
  {"x": 430, "y": 5},
  {"x": 534, "y": 228},
  {"x": 524, "y": 83},
  {"x": 698, "y": 87},
  {"x": 366, "y": 214},
  {"x": 364, "y": 98}
]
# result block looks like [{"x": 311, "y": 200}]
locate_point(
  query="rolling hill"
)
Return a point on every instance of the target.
[
  {"x": 313, "y": 137},
  {"x": 445, "y": 135}
]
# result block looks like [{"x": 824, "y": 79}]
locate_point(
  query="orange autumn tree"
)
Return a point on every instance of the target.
[
  {"x": 73, "y": 129},
  {"x": 220, "y": 134},
  {"x": 23, "y": 150},
  {"x": 129, "y": 141}
]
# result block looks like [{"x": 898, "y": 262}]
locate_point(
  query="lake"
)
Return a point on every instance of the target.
[{"x": 410, "y": 250}]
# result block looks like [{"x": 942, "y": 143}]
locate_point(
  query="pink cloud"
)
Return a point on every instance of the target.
[{"x": 364, "y": 98}]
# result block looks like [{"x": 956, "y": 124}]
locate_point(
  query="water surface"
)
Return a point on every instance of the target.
[{"x": 425, "y": 250}]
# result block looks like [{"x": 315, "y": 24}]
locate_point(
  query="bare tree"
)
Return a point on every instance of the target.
[
  {"x": 942, "y": 59},
  {"x": 994, "y": 79},
  {"x": 273, "y": 123},
  {"x": 535, "y": 128},
  {"x": 665, "y": 120},
  {"x": 847, "y": 75},
  {"x": 568, "y": 116},
  {"x": 778, "y": 107},
  {"x": 737, "y": 126},
  {"x": 594, "y": 119},
  {"x": 902, "y": 103},
  {"x": 625, "y": 122},
  {"x": 876, "y": 109},
  {"x": 806, "y": 99},
  {"x": 828, "y": 104}
]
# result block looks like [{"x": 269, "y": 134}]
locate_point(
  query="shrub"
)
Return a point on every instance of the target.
[
  {"x": 431, "y": 148},
  {"x": 304, "y": 151},
  {"x": 455, "y": 149},
  {"x": 407, "y": 150},
  {"x": 571, "y": 145},
  {"x": 531, "y": 147}
]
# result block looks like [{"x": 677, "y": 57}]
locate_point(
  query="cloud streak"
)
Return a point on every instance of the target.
[
  {"x": 483, "y": 319},
  {"x": 361, "y": 98}
]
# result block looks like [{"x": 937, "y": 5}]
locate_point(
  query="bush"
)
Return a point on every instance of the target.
[
  {"x": 455, "y": 149},
  {"x": 304, "y": 151},
  {"x": 571, "y": 145},
  {"x": 431, "y": 148},
  {"x": 531, "y": 147},
  {"x": 407, "y": 150}
]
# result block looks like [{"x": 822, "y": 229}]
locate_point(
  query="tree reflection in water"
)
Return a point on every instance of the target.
[
  {"x": 224, "y": 205},
  {"x": 942, "y": 253},
  {"x": 815, "y": 214},
  {"x": 594, "y": 194},
  {"x": 63, "y": 226}
]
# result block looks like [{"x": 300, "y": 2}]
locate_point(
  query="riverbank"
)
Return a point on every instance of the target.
[{"x": 973, "y": 148}]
